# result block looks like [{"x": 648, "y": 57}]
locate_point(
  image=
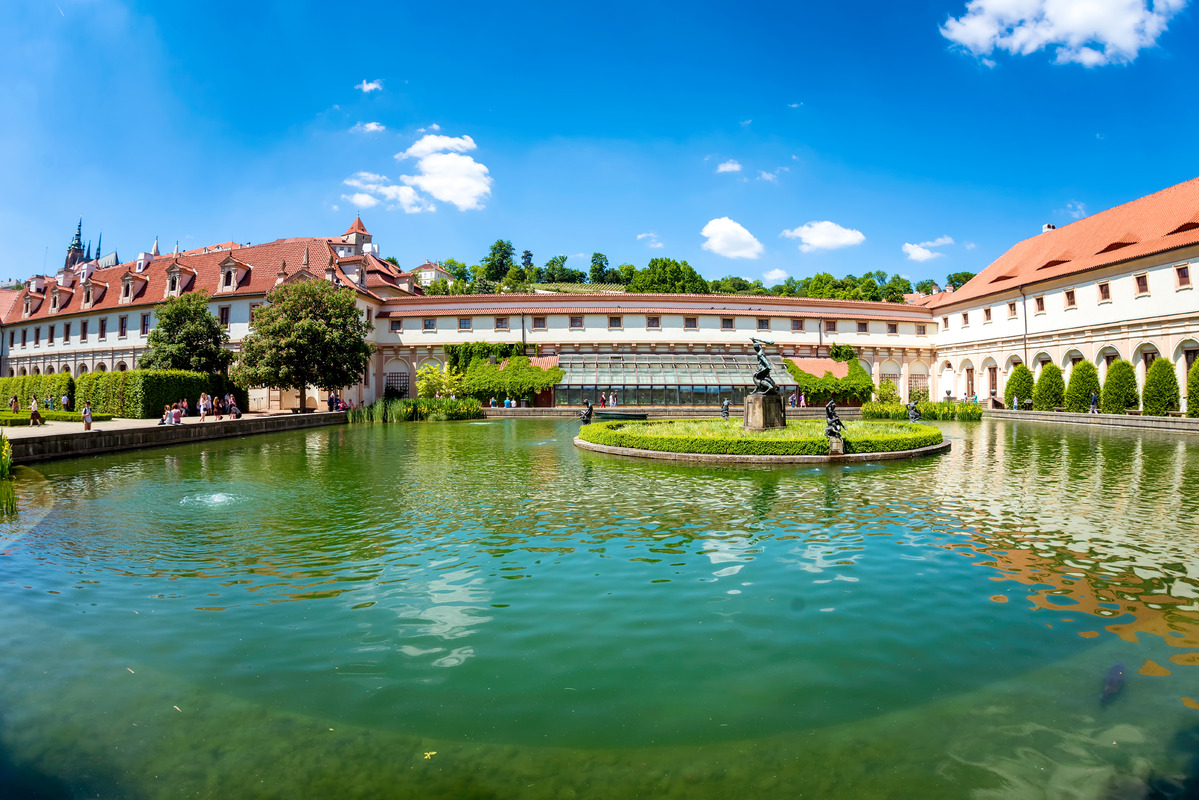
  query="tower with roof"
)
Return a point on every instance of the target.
[
  {"x": 75, "y": 254},
  {"x": 357, "y": 235}
]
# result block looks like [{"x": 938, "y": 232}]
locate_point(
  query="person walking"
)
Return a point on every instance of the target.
[
  {"x": 66, "y": 402},
  {"x": 34, "y": 417},
  {"x": 603, "y": 400},
  {"x": 14, "y": 404},
  {"x": 87, "y": 415},
  {"x": 803, "y": 400},
  {"x": 1094, "y": 403},
  {"x": 613, "y": 398},
  {"x": 791, "y": 400}
]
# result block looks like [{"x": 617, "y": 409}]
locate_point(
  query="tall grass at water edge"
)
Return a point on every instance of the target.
[
  {"x": 411, "y": 410},
  {"x": 944, "y": 410}
]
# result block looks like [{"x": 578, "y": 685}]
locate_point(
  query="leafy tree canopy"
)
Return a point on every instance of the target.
[
  {"x": 927, "y": 286},
  {"x": 1050, "y": 390},
  {"x": 518, "y": 379},
  {"x": 874, "y": 286},
  {"x": 1161, "y": 389},
  {"x": 1120, "y": 389},
  {"x": 1019, "y": 384},
  {"x": 187, "y": 337},
  {"x": 497, "y": 263},
  {"x": 309, "y": 333},
  {"x": 432, "y": 380},
  {"x": 1084, "y": 379},
  {"x": 460, "y": 271},
  {"x": 556, "y": 271},
  {"x": 526, "y": 260},
  {"x": 958, "y": 279},
  {"x": 668, "y": 275}
]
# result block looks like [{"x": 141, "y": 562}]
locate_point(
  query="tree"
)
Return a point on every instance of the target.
[
  {"x": 526, "y": 260},
  {"x": 599, "y": 268},
  {"x": 518, "y": 379},
  {"x": 439, "y": 286},
  {"x": 501, "y": 259},
  {"x": 958, "y": 279},
  {"x": 927, "y": 286},
  {"x": 895, "y": 288},
  {"x": 1161, "y": 389},
  {"x": 1193, "y": 390},
  {"x": 670, "y": 276},
  {"x": 188, "y": 337},
  {"x": 432, "y": 380},
  {"x": 1019, "y": 384},
  {"x": 1120, "y": 389},
  {"x": 1084, "y": 379},
  {"x": 460, "y": 271},
  {"x": 1050, "y": 391},
  {"x": 556, "y": 271},
  {"x": 393, "y": 261},
  {"x": 515, "y": 280},
  {"x": 626, "y": 272},
  {"x": 309, "y": 333},
  {"x": 887, "y": 391}
]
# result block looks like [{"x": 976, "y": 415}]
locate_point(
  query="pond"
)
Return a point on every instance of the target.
[{"x": 481, "y": 609}]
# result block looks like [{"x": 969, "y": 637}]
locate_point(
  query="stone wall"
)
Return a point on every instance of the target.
[{"x": 1180, "y": 424}]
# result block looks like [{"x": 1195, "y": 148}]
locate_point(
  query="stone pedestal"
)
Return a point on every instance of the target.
[
  {"x": 836, "y": 447},
  {"x": 764, "y": 411}
]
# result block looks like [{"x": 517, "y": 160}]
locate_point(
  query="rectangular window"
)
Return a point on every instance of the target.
[
  {"x": 54, "y": 302},
  {"x": 965, "y": 318},
  {"x": 538, "y": 323},
  {"x": 653, "y": 322},
  {"x": 763, "y": 323},
  {"x": 145, "y": 324},
  {"x": 83, "y": 330},
  {"x": 464, "y": 323},
  {"x": 615, "y": 322},
  {"x": 12, "y": 339},
  {"x": 223, "y": 316},
  {"x": 830, "y": 326},
  {"x": 576, "y": 322},
  {"x": 1011, "y": 310},
  {"x": 430, "y": 323},
  {"x": 863, "y": 327},
  {"x": 1142, "y": 284},
  {"x": 125, "y": 291},
  {"x": 1105, "y": 292},
  {"x": 123, "y": 327},
  {"x": 1149, "y": 357},
  {"x": 1183, "y": 276},
  {"x": 1039, "y": 302},
  {"x": 50, "y": 336},
  {"x": 944, "y": 323},
  {"x": 396, "y": 325},
  {"x": 986, "y": 315},
  {"x": 690, "y": 323},
  {"x": 797, "y": 325},
  {"x": 24, "y": 336},
  {"x": 253, "y": 307},
  {"x": 103, "y": 328},
  {"x": 37, "y": 336},
  {"x": 921, "y": 330},
  {"x": 726, "y": 323},
  {"x": 66, "y": 333},
  {"x": 892, "y": 327},
  {"x": 501, "y": 323},
  {"x": 1070, "y": 298}
]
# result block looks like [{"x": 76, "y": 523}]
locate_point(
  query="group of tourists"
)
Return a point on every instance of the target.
[
  {"x": 339, "y": 403},
  {"x": 35, "y": 416},
  {"x": 607, "y": 402},
  {"x": 173, "y": 413},
  {"x": 508, "y": 403},
  {"x": 802, "y": 400}
]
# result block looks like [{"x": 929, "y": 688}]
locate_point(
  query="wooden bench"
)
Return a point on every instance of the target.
[
  {"x": 1059, "y": 409},
  {"x": 1175, "y": 413},
  {"x": 1132, "y": 412}
]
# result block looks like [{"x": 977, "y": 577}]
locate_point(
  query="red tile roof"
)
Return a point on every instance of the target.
[
  {"x": 544, "y": 362},
  {"x": 819, "y": 366},
  {"x": 357, "y": 227},
  {"x": 547, "y": 307},
  {"x": 8, "y": 300},
  {"x": 1157, "y": 223}
]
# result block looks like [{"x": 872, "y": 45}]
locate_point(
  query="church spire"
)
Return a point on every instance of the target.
[
  {"x": 154, "y": 249},
  {"x": 77, "y": 242},
  {"x": 99, "y": 239},
  {"x": 88, "y": 255}
]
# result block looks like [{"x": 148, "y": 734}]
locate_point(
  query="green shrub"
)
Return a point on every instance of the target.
[
  {"x": 1050, "y": 391},
  {"x": 969, "y": 412},
  {"x": 8, "y": 419},
  {"x": 918, "y": 395},
  {"x": 887, "y": 391},
  {"x": 1193, "y": 390},
  {"x": 409, "y": 410},
  {"x": 856, "y": 385},
  {"x": 1019, "y": 384},
  {"x": 26, "y": 387},
  {"x": 713, "y": 437},
  {"x": 1084, "y": 379},
  {"x": 142, "y": 393},
  {"x": 1161, "y": 389},
  {"x": 884, "y": 411},
  {"x": 1120, "y": 389},
  {"x": 944, "y": 410}
]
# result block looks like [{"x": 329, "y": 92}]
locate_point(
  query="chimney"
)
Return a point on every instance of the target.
[
  {"x": 1047, "y": 227},
  {"x": 282, "y": 275},
  {"x": 329, "y": 270},
  {"x": 143, "y": 261}
]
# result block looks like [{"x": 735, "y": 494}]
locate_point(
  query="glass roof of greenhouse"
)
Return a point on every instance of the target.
[{"x": 664, "y": 369}]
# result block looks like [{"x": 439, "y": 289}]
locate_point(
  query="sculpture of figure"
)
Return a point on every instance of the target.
[
  {"x": 913, "y": 412},
  {"x": 724, "y": 410},
  {"x": 585, "y": 414},
  {"x": 833, "y": 423},
  {"x": 763, "y": 383}
]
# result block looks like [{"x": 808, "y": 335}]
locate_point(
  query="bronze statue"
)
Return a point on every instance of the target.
[
  {"x": 833, "y": 424},
  {"x": 585, "y": 414},
  {"x": 763, "y": 383},
  {"x": 724, "y": 410},
  {"x": 913, "y": 412}
]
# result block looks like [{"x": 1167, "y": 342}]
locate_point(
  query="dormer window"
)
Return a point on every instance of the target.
[
  {"x": 87, "y": 296},
  {"x": 125, "y": 292},
  {"x": 54, "y": 301},
  {"x": 228, "y": 279},
  {"x": 26, "y": 312},
  {"x": 174, "y": 284}
]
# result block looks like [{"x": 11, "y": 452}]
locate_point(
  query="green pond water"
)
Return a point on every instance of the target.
[{"x": 481, "y": 610}]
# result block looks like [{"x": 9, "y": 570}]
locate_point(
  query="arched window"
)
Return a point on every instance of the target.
[{"x": 121, "y": 366}]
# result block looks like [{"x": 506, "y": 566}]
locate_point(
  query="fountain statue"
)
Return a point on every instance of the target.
[
  {"x": 724, "y": 410},
  {"x": 763, "y": 383},
  {"x": 913, "y": 412},
  {"x": 585, "y": 414},
  {"x": 832, "y": 423},
  {"x": 764, "y": 405}
]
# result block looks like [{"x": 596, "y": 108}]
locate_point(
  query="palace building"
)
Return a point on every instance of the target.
[{"x": 1117, "y": 284}]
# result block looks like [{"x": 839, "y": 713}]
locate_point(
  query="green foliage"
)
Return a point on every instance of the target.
[
  {"x": 408, "y": 410},
  {"x": 842, "y": 352},
  {"x": 1019, "y": 384},
  {"x": 669, "y": 276},
  {"x": 8, "y": 419},
  {"x": 1084, "y": 379},
  {"x": 1161, "y": 389},
  {"x": 1120, "y": 389},
  {"x": 518, "y": 379},
  {"x": 918, "y": 395},
  {"x": 1050, "y": 391},
  {"x": 944, "y": 410},
  {"x": 958, "y": 279},
  {"x": 187, "y": 337},
  {"x": 601, "y": 272},
  {"x": 556, "y": 271},
  {"x": 715, "y": 436},
  {"x": 969, "y": 412},
  {"x": 142, "y": 394},
  {"x": 884, "y": 410},
  {"x": 5, "y": 458},
  {"x": 499, "y": 260},
  {"x": 873, "y": 286},
  {"x": 1193, "y": 390},
  {"x": 927, "y": 286},
  {"x": 310, "y": 333},
  {"x": 460, "y": 356},
  {"x": 460, "y": 271},
  {"x": 856, "y": 385},
  {"x": 887, "y": 391},
  {"x": 27, "y": 387},
  {"x": 432, "y": 380}
]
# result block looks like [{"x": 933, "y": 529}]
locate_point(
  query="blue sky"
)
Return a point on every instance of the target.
[{"x": 920, "y": 138}]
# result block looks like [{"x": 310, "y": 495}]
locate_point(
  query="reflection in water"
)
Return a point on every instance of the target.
[{"x": 494, "y": 587}]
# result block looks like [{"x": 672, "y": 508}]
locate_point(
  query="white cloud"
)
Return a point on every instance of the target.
[
  {"x": 361, "y": 199},
  {"x": 824, "y": 235},
  {"x": 370, "y": 86},
  {"x": 729, "y": 166},
  {"x": 433, "y": 127},
  {"x": 380, "y": 188},
  {"x": 923, "y": 251},
  {"x": 775, "y": 276},
  {"x": 336, "y": 207},
  {"x": 746, "y": 123},
  {"x": 727, "y": 238},
  {"x": 653, "y": 240},
  {"x": 445, "y": 173},
  {"x": 773, "y": 177},
  {"x": 1076, "y": 209},
  {"x": 794, "y": 105},
  {"x": 368, "y": 127},
  {"x": 940, "y": 241},
  {"x": 1087, "y": 32},
  {"x": 970, "y": 245}
]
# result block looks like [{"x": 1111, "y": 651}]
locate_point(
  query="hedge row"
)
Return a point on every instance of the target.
[
  {"x": 409, "y": 410},
  {"x": 143, "y": 393},
  {"x": 8, "y": 419},
  {"x": 634, "y": 435},
  {"x": 944, "y": 410},
  {"x": 27, "y": 387}
]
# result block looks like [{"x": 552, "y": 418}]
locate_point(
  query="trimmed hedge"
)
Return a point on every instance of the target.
[
  {"x": 1120, "y": 389},
  {"x": 410, "y": 410},
  {"x": 1161, "y": 389},
  {"x": 657, "y": 436},
  {"x": 1050, "y": 391},
  {"x": 26, "y": 387},
  {"x": 9, "y": 419},
  {"x": 1019, "y": 384},
  {"x": 142, "y": 393},
  {"x": 1193, "y": 391},
  {"x": 1084, "y": 379},
  {"x": 856, "y": 385}
]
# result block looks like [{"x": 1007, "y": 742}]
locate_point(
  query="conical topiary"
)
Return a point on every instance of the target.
[
  {"x": 1050, "y": 391},
  {"x": 1161, "y": 389},
  {"x": 1120, "y": 389},
  {"x": 1084, "y": 379},
  {"x": 1193, "y": 390},
  {"x": 1019, "y": 384}
]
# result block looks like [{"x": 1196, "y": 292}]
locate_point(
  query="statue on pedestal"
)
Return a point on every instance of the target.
[
  {"x": 585, "y": 414},
  {"x": 763, "y": 383},
  {"x": 913, "y": 412},
  {"x": 724, "y": 410},
  {"x": 833, "y": 424}
]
